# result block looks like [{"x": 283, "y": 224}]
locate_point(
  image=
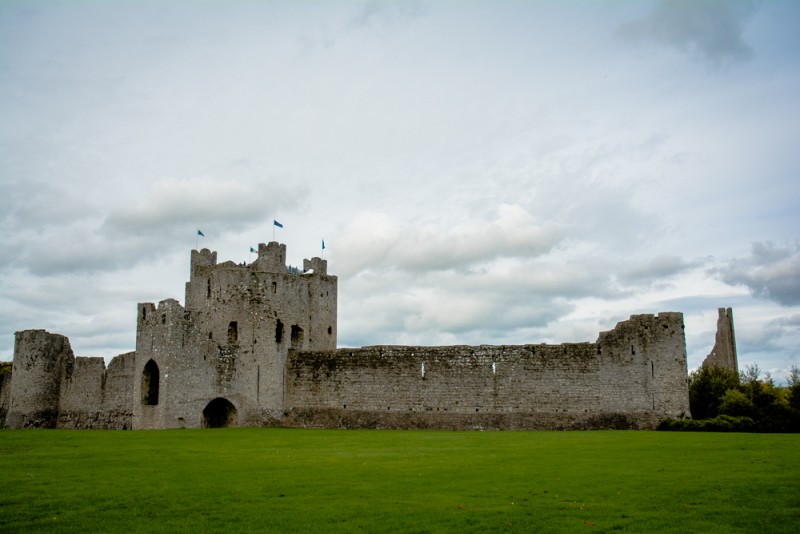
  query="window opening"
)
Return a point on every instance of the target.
[
  {"x": 233, "y": 333},
  {"x": 297, "y": 336}
]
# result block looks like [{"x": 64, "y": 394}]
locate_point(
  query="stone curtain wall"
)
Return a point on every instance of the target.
[
  {"x": 633, "y": 377},
  {"x": 96, "y": 397}
]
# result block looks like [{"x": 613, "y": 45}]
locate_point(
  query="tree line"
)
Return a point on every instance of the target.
[{"x": 748, "y": 401}]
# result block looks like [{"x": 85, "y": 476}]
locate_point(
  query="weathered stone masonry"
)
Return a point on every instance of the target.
[
  {"x": 632, "y": 377},
  {"x": 52, "y": 388},
  {"x": 256, "y": 345}
]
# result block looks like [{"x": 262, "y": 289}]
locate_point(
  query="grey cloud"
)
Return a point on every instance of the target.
[
  {"x": 122, "y": 232},
  {"x": 657, "y": 268},
  {"x": 386, "y": 12},
  {"x": 710, "y": 29},
  {"x": 228, "y": 203},
  {"x": 560, "y": 278},
  {"x": 791, "y": 322},
  {"x": 32, "y": 205},
  {"x": 512, "y": 301},
  {"x": 703, "y": 303},
  {"x": 431, "y": 314},
  {"x": 93, "y": 315},
  {"x": 769, "y": 272},
  {"x": 765, "y": 339}
]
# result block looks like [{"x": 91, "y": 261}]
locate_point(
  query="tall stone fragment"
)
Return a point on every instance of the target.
[{"x": 724, "y": 352}]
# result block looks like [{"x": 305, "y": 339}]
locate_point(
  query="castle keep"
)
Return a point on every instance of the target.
[{"x": 255, "y": 344}]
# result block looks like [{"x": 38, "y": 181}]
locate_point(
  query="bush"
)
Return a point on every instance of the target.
[{"x": 721, "y": 423}]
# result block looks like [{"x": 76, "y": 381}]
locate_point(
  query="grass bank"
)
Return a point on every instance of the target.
[{"x": 292, "y": 480}]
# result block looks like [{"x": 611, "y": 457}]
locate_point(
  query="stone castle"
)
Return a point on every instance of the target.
[{"x": 255, "y": 345}]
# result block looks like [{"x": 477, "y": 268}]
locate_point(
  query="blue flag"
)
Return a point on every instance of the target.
[
  {"x": 201, "y": 234},
  {"x": 323, "y": 244},
  {"x": 276, "y": 223}
]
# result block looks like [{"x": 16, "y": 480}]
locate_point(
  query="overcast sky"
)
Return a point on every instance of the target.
[{"x": 481, "y": 172}]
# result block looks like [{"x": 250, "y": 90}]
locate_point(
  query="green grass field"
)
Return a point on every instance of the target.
[{"x": 292, "y": 480}]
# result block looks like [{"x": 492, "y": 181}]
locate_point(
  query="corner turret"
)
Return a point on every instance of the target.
[
  {"x": 271, "y": 258},
  {"x": 315, "y": 265}
]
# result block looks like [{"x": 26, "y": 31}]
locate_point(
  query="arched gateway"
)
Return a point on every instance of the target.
[{"x": 219, "y": 413}]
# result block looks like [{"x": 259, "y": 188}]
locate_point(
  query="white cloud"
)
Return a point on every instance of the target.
[{"x": 373, "y": 240}]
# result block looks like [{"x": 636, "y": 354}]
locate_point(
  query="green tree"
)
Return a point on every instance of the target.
[
  {"x": 736, "y": 403},
  {"x": 793, "y": 378},
  {"x": 707, "y": 385}
]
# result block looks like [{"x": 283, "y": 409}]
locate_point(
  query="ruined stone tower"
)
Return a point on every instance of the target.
[
  {"x": 44, "y": 361},
  {"x": 220, "y": 360},
  {"x": 724, "y": 352}
]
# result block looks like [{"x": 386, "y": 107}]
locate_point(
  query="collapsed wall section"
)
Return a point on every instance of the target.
[
  {"x": 632, "y": 377},
  {"x": 96, "y": 397}
]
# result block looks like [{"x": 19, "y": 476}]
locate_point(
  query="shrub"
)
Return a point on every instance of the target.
[{"x": 721, "y": 423}]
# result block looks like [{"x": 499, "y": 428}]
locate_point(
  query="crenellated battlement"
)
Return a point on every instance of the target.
[{"x": 271, "y": 258}]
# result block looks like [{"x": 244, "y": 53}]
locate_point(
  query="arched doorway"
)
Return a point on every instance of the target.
[
  {"x": 150, "y": 378},
  {"x": 219, "y": 413}
]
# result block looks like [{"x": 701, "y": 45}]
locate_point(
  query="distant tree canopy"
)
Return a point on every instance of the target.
[
  {"x": 794, "y": 387},
  {"x": 721, "y": 399}
]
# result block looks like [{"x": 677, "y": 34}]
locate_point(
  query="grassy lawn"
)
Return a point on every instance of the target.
[{"x": 292, "y": 480}]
